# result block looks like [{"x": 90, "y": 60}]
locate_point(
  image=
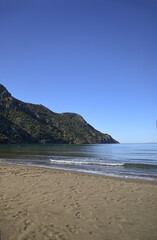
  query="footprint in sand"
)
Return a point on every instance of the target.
[
  {"x": 23, "y": 213},
  {"x": 77, "y": 215},
  {"x": 27, "y": 230},
  {"x": 52, "y": 232},
  {"x": 72, "y": 229}
]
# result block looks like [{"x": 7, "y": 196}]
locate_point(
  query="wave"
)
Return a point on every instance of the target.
[
  {"x": 84, "y": 163},
  {"x": 126, "y": 165}
]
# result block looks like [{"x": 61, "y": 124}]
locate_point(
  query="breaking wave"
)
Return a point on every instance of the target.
[{"x": 127, "y": 165}]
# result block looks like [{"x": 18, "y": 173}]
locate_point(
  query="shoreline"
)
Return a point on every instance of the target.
[
  {"x": 138, "y": 179},
  {"x": 42, "y": 203}
]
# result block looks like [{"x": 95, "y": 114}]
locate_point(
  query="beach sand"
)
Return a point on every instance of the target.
[{"x": 38, "y": 203}]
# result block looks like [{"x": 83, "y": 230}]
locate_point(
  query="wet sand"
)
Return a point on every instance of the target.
[{"x": 38, "y": 203}]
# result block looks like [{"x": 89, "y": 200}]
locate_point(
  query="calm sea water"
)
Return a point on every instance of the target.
[{"x": 131, "y": 161}]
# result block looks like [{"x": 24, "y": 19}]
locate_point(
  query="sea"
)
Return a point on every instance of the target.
[{"x": 126, "y": 161}]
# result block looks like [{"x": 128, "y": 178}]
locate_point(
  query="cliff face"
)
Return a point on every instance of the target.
[{"x": 30, "y": 123}]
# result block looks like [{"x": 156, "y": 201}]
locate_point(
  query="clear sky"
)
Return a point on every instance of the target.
[{"x": 97, "y": 58}]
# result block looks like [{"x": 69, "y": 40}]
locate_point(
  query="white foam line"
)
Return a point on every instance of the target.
[{"x": 84, "y": 163}]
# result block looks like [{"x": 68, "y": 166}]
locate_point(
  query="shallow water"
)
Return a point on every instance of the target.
[{"x": 131, "y": 161}]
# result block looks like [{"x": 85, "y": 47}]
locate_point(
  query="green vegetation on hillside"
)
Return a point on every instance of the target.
[{"x": 29, "y": 123}]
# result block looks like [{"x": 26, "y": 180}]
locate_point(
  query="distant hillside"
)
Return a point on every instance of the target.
[{"x": 30, "y": 123}]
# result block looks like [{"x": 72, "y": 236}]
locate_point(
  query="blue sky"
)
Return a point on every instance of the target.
[{"x": 97, "y": 58}]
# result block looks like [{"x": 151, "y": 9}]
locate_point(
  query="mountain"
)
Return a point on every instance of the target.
[{"x": 32, "y": 123}]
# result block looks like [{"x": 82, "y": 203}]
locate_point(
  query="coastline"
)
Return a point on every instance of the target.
[{"x": 42, "y": 203}]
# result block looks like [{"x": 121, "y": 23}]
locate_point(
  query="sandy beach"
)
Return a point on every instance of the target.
[{"x": 38, "y": 203}]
